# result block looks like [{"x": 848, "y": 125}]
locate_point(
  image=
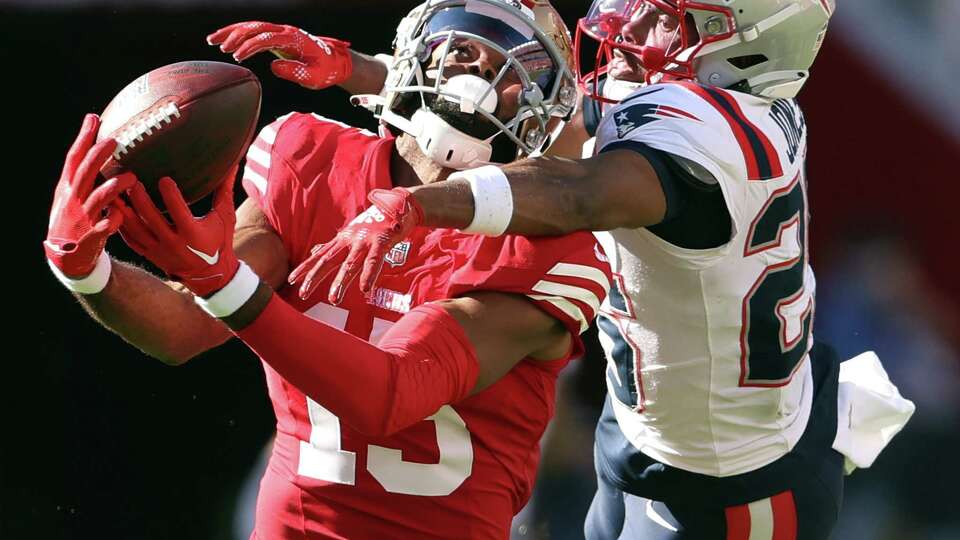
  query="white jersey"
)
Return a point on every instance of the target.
[{"x": 707, "y": 349}]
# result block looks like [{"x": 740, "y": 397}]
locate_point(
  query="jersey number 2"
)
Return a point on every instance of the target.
[
  {"x": 323, "y": 458},
  {"x": 778, "y": 309}
]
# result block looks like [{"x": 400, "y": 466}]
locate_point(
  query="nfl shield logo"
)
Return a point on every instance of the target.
[{"x": 398, "y": 254}]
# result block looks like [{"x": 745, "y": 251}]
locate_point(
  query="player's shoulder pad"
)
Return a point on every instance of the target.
[
  {"x": 653, "y": 111},
  {"x": 567, "y": 276},
  {"x": 299, "y": 142},
  {"x": 673, "y": 118},
  {"x": 721, "y": 130}
]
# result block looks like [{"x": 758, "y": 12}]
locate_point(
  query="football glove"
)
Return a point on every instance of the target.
[
  {"x": 359, "y": 248},
  {"x": 310, "y": 61},
  {"x": 197, "y": 252},
  {"x": 80, "y": 218}
]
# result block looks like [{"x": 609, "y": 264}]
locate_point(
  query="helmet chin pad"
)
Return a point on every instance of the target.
[{"x": 447, "y": 146}]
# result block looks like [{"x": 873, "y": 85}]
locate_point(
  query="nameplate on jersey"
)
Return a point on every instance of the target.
[{"x": 390, "y": 300}]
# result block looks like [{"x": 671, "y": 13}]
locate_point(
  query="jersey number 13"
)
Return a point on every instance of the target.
[{"x": 323, "y": 458}]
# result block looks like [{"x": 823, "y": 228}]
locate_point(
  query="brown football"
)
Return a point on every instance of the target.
[{"x": 191, "y": 121}]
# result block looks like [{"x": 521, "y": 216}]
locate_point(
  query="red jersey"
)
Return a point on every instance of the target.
[{"x": 465, "y": 471}]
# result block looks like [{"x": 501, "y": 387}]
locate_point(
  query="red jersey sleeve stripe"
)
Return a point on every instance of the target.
[{"x": 761, "y": 158}]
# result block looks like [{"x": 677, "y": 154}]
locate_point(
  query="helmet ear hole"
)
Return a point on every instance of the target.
[{"x": 748, "y": 61}]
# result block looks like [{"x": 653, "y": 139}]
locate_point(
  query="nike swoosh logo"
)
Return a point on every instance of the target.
[{"x": 209, "y": 259}]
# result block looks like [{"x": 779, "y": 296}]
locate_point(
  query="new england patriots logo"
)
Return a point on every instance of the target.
[{"x": 642, "y": 114}]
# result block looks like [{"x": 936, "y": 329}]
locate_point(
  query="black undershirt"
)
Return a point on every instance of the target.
[{"x": 697, "y": 215}]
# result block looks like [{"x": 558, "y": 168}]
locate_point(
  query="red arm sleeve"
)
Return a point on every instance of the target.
[{"x": 423, "y": 362}]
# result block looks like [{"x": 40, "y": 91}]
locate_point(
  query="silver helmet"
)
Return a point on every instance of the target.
[
  {"x": 461, "y": 119},
  {"x": 763, "y": 47}
]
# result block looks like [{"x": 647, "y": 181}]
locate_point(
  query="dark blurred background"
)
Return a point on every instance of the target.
[{"x": 99, "y": 441}]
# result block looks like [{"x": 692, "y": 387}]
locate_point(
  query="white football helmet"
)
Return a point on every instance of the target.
[
  {"x": 762, "y": 47},
  {"x": 454, "y": 116}
]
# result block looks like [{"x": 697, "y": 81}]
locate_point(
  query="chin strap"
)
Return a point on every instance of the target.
[
  {"x": 437, "y": 139},
  {"x": 447, "y": 146}
]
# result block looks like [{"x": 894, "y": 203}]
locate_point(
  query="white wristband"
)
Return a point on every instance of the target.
[
  {"x": 236, "y": 293},
  {"x": 95, "y": 282},
  {"x": 492, "y": 200}
]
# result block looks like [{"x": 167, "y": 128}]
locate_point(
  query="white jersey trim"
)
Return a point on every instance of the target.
[
  {"x": 564, "y": 305},
  {"x": 261, "y": 156},
  {"x": 581, "y": 271},
  {"x": 568, "y": 291}
]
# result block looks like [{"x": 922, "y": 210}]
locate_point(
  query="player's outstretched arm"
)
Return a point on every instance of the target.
[
  {"x": 313, "y": 62},
  {"x": 160, "y": 316},
  {"x": 438, "y": 353},
  {"x": 547, "y": 196},
  {"x": 532, "y": 197}
]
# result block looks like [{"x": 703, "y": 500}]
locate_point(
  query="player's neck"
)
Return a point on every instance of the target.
[{"x": 409, "y": 167}]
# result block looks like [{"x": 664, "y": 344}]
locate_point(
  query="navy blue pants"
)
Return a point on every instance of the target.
[{"x": 797, "y": 497}]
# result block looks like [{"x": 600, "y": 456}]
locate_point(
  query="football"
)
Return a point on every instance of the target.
[{"x": 191, "y": 121}]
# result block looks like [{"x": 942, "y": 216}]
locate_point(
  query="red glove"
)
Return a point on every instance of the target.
[
  {"x": 370, "y": 236},
  {"x": 310, "y": 61},
  {"x": 197, "y": 252},
  {"x": 78, "y": 228}
]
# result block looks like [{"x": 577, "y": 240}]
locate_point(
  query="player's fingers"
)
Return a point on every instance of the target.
[
  {"x": 318, "y": 254},
  {"x": 305, "y": 266},
  {"x": 324, "y": 262},
  {"x": 372, "y": 266},
  {"x": 88, "y": 133},
  {"x": 290, "y": 70},
  {"x": 246, "y": 32},
  {"x": 223, "y": 197},
  {"x": 345, "y": 276},
  {"x": 103, "y": 195},
  {"x": 268, "y": 41},
  {"x": 219, "y": 35},
  {"x": 179, "y": 212},
  {"x": 149, "y": 214},
  {"x": 86, "y": 173},
  {"x": 132, "y": 230},
  {"x": 132, "y": 242},
  {"x": 109, "y": 225}
]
